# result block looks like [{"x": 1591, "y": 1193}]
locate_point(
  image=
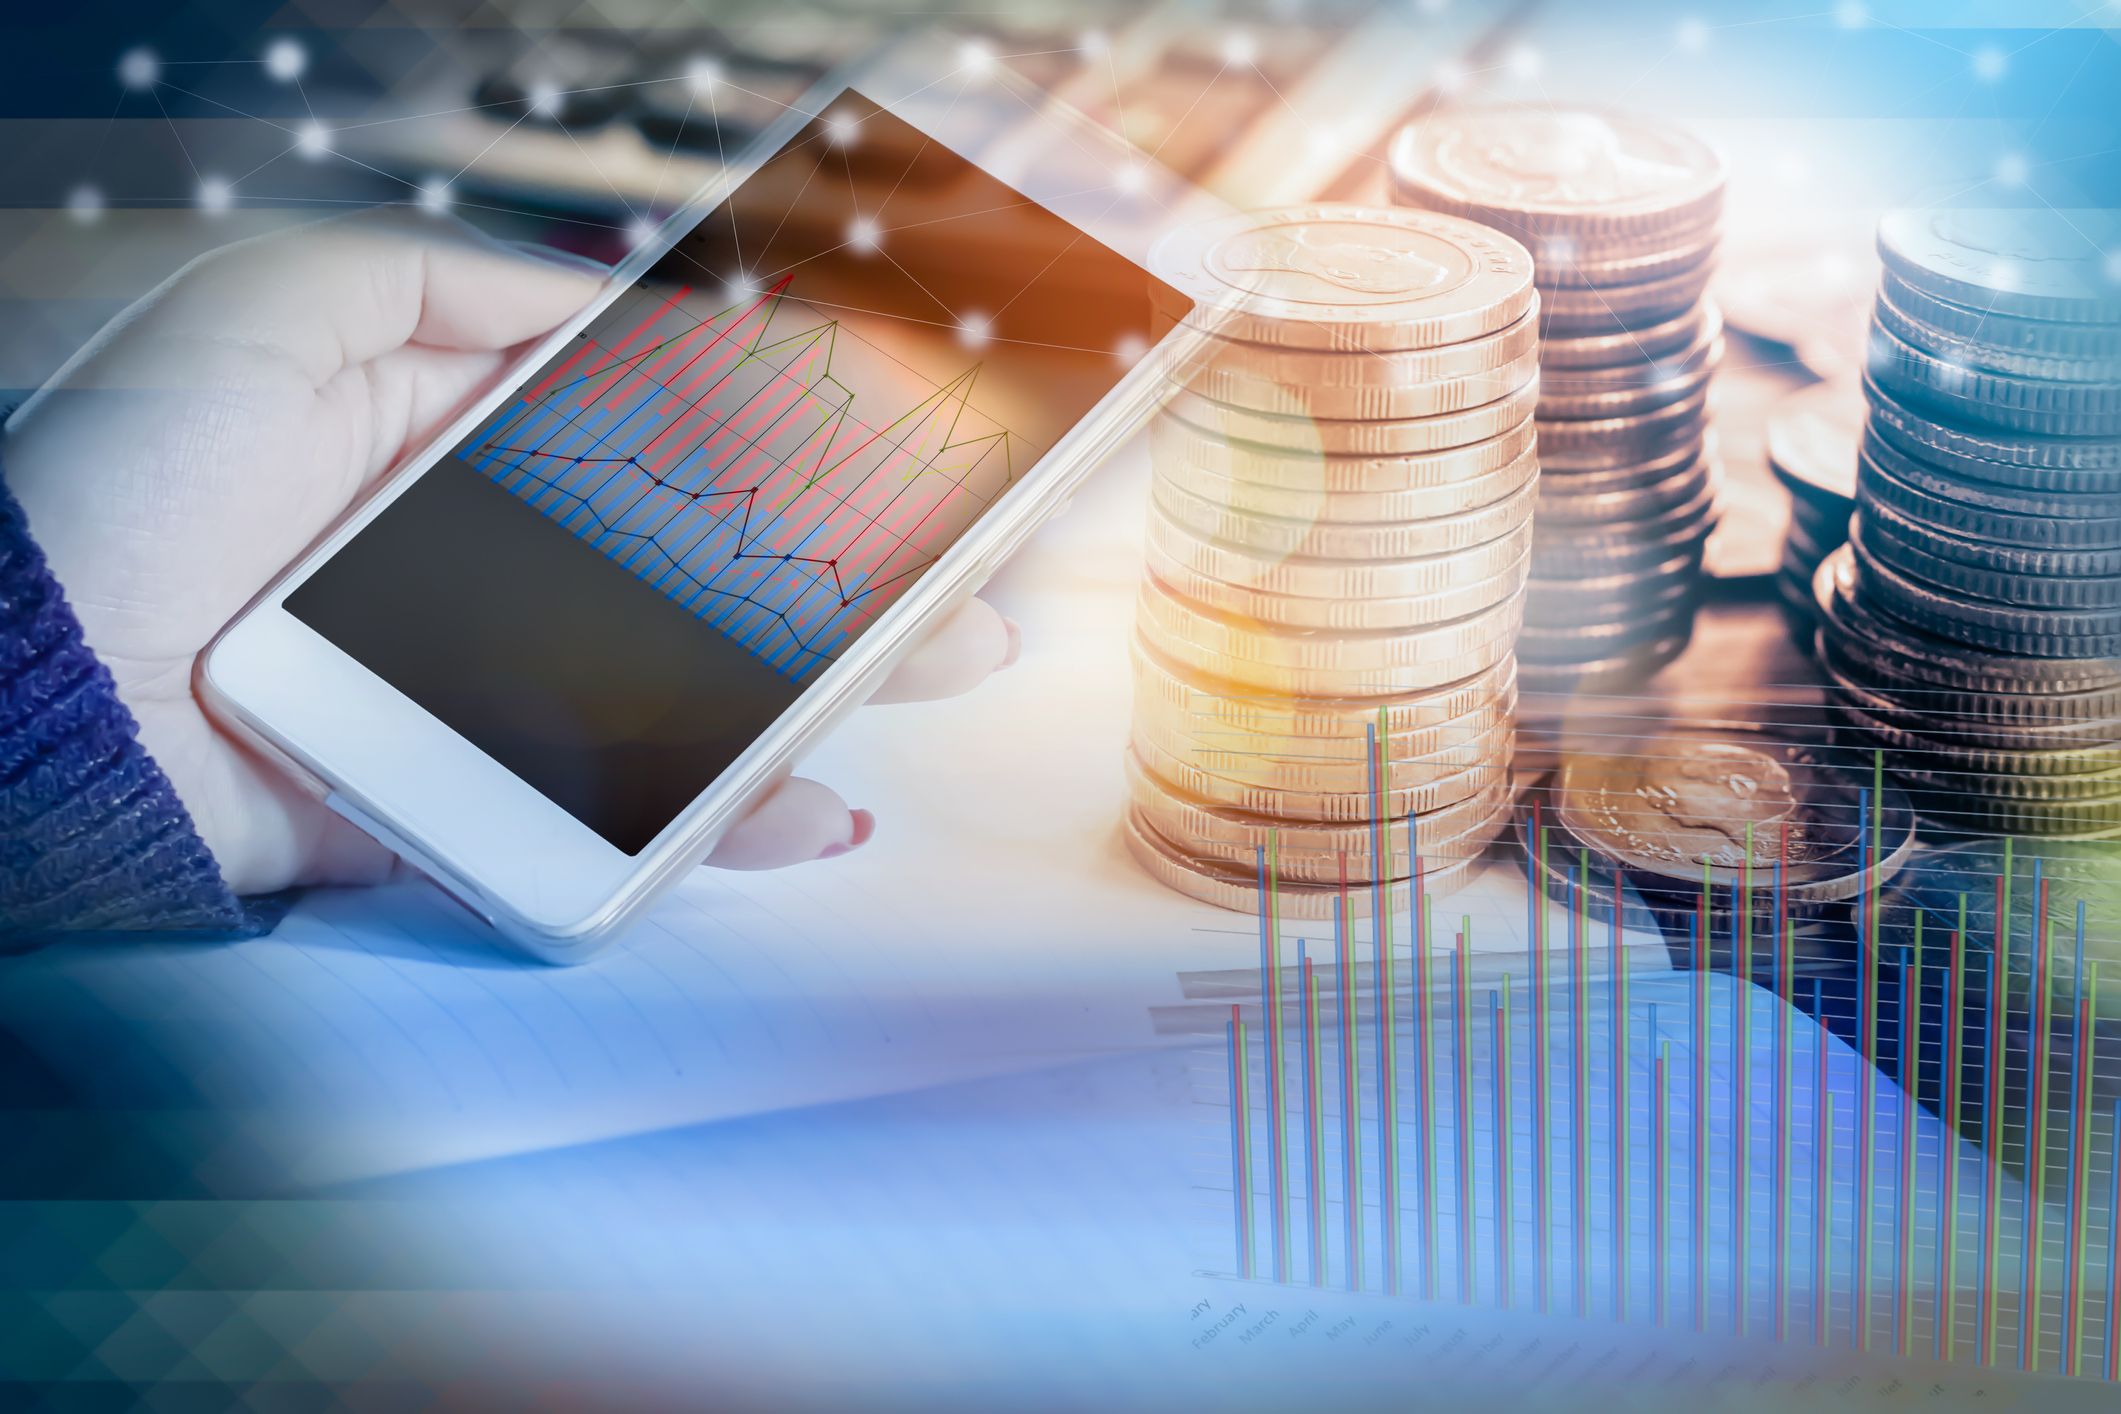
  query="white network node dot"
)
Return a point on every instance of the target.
[
  {"x": 139, "y": 68},
  {"x": 312, "y": 139},
  {"x": 742, "y": 286},
  {"x": 84, "y": 204},
  {"x": 434, "y": 197},
  {"x": 639, "y": 232},
  {"x": 1132, "y": 177},
  {"x": 1432, "y": 7},
  {"x": 702, "y": 74},
  {"x": 215, "y": 195},
  {"x": 2003, "y": 275},
  {"x": 545, "y": 98},
  {"x": 2113, "y": 266},
  {"x": 1131, "y": 350},
  {"x": 1851, "y": 15},
  {"x": 2012, "y": 169},
  {"x": 1989, "y": 63},
  {"x": 1693, "y": 35},
  {"x": 841, "y": 129},
  {"x": 1240, "y": 49},
  {"x": 1092, "y": 41},
  {"x": 974, "y": 329},
  {"x": 285, "y": 60},
  {"x": 1451, "y": 77},
  {"x": 975, "y": 58},
  {"x": 1523, "y": 62},
  {"x": 864, "y": 234}
]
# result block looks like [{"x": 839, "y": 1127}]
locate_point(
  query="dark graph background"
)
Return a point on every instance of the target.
[{"x": 766, "y": 442}]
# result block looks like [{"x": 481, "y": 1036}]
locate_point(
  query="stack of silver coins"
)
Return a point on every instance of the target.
[
  {"x": 1339, "y": 537},
  {"x": 1621, "y": 215},
  {"x": 1811, "y": 449},
  {"x": 1973, "y": 622}
]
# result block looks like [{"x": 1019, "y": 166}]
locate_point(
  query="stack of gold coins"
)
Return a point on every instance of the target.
[
  {"x": 1339, "y": 538},
  {"x": 1621, "y": 216}
]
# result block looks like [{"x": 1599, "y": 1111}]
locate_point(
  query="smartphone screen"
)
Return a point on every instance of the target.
[{"x": 629, "y": 570}]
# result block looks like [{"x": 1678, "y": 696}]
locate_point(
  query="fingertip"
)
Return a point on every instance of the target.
[{"x": 861, "y": 828}]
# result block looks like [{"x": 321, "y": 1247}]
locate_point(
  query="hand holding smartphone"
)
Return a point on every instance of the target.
[{"x": 557, "y": 655}]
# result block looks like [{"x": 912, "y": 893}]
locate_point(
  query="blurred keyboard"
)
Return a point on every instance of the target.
[{"x": 1260, "y": 103}]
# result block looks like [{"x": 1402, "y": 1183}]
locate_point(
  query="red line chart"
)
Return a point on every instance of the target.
[{"x": 726, "y": 460}]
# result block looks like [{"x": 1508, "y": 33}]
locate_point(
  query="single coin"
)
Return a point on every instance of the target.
[
  {"x": 1885, "y": 477},
  {"x": 1269, "y": 537},
  {"x": 1348, "y": 277},
  {"x": 1668, "y": 798},
  {"x": 1881, "y": 539},
  {"x": 1588, "y": 177},
  {"x": 2028, "y": 262},
  {"x": 1613, "y": 307},
  {"x": 1349, "y": 507},
  {"x": 1432, "y": 793},
  {"x": 1313, "y": 853},
  {"x": 1560, "y": 504},
  {"x": 1705, "y": 349},
  {"x": 1206, "y": 698},
  {"x": 1173, "y": 442},
  {"x": 1311, "y": 577},
  {"x": 1969, "y": 720},
  {"x": 2046, "y": 820},
  {"x": 2088, "y": 465},
  {"x": 1628, "y": 348},
  {"x": 1239, "y": 387},
  {"x": 1619, "y": 440},
  {"x": 1554, "y": 604},
  {"x": 1299, "y": 773},
  {"x": 1344, "y": 437},
  {"x": 1682, "y": 250},
  {"x": 1925, "y": 764},
  {"x": 1214, "y": 358},
  {"x": 1988, "y": 554},
  {"x": 1606, "y": 550},
  {"x": 1975, "y": 352},
  {"x": 2001, "y": 628},
  {"x": 1181, "y": 733},
  {"x": 1891, "y": 651},
  {"x": 1629, "y": 668},
  {"x": 1990, "y": 334},
  {"x": 2037, "y": 405},
  {"x": 1812, "y": 435},
  {"x": 1434, "y": 653},
  {"x": 1348, "y": 614},
  {"x": 2081, "y": 714},
  {"x": 1567, "y": 478},
  {"x": 1241, "y": 890},
  {"x": 1575, "y": 643},
  {"x": 1569, "y": 399}
]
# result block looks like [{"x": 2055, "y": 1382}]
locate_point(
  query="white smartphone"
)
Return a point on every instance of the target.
[{"x": 574, "y": 638}]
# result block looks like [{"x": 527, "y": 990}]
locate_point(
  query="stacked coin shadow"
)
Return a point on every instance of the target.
[
  {"x": 1621, "y": 215},
  {"x": 1812, "y": 437},
  {"x": 1972, "y": 625},
  {"x": 1338, "y": 540}
]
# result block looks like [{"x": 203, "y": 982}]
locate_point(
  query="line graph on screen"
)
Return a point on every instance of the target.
[{"x": 757, "y": 462}]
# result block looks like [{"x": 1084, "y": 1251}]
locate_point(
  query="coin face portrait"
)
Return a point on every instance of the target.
[
  {"x": 1339, "y": 262},
  {"x": 1562, "y": 159},
  {"x": 1690, "y": 801}
]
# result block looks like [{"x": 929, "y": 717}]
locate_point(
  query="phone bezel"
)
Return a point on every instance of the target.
[{"x": 521, "y": 861}]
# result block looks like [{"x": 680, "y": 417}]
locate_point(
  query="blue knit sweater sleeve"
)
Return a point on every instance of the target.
[{"x": 92, "y": 837}]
